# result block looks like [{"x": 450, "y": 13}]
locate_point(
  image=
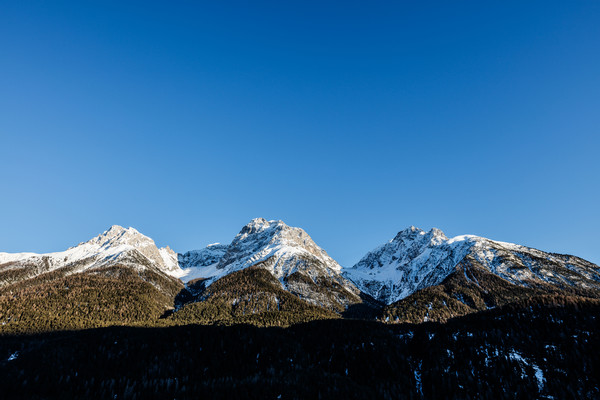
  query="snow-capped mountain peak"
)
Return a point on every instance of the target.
[
  {"x": 117, "y": 235},
  {"x": 412, "y": 233},
  {"x": 117, "y": 245},
  {"x": 412, "y": 260},
  {"x": 288, "y": 249},
  {"x": 415, "y": 259},
  {"x": 255, "y": 226},
  {"x": 260, "y": 240},
  {"x": 287, "y": 253}
]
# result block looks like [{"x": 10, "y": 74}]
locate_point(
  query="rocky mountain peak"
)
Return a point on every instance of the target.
[
  {"x": 117, "y": 235},
  {"x": 115, "y": 246},
  {"x": 126, "y": 240},
  {"x": 413, "y": 233},
  {"x": 260, "y": 233},
  {"x": 409, "y": 233},
  {"x": 416, "y": 259},
  {"x": 280, "y": 248},
  {"x": 261, "y": 239},
  {"x": 435, "y": 236},
  {"x": 258, "y": 225}
]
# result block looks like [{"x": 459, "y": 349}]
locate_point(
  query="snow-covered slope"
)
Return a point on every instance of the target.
[
  {"x": 201, "y": 263},
  {"x": 289, "y": 249},
  {"x": 411, "y": 261},
  {"x": 288, "y": 253},
  {"x": 117, "y": 245},
  {"x": 416, "y": 259}
]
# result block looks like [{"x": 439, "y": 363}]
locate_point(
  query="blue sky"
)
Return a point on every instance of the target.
[{"x": 187, "y": 119}]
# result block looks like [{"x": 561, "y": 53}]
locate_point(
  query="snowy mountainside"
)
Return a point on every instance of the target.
[
  {"x": 412, "y": 260},
  {"x": 415, "y": 259},
  {"x": 117, "y": 245},
  {"x": 201, "y": 263},
  {"x": 287, "y": 253},
  {"x": 292, "y": 249}
]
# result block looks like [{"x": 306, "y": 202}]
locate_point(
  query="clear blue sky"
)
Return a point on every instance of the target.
[{"x": 187, "y": 119}]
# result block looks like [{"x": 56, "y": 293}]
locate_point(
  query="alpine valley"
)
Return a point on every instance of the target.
[{"x": 421, "y": 316}]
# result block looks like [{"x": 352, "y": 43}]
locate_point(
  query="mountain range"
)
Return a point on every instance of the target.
[{"x": 274, "y": 274}]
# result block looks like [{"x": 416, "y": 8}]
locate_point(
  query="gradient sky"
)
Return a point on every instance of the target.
[{"x": 187, "y": 119}]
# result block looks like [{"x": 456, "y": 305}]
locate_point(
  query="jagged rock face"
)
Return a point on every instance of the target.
[
  {"x": 416, "y": 259},
  {"x": 292, "y": 249},
  {"x": 201, "y": 264},
  {"x": 288, "y": 253},
  {"x": 472, "y": 287},
  {"x": 118, "y": 237},
  {"x": 117, "y": 245},
  {"x": 411, "y": 261},
  {"x": 210, "y": 255},
  {"x": 288, "y": 250},
  {"x": 526, "y": 266}
]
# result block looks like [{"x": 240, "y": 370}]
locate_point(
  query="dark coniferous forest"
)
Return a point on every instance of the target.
[{"x": 522, "y": 351}]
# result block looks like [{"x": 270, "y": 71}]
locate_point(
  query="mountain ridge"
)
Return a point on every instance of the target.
[
  {"x": 289, "y": 254},
  {"x": 416, "y": 276},
  {"x": 414, "y": 260},
  {"x": 115, "y": 245}
]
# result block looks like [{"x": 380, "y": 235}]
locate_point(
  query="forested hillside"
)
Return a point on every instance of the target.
[
  {"x": 472, "y": 288},
  {"x": 104, "y": 297},
  {"x": 520, "y": 351}
]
